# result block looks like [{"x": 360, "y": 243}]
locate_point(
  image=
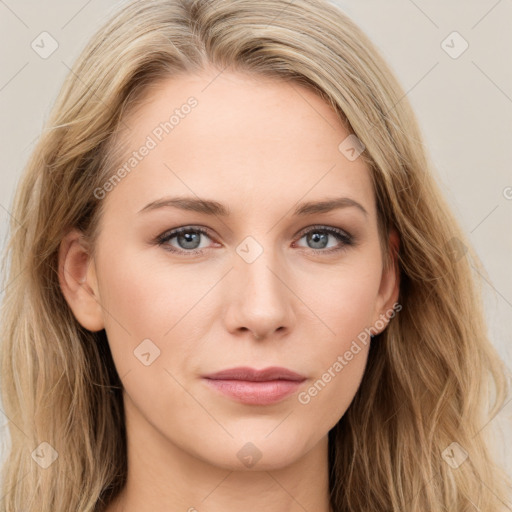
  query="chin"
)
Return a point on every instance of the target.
[{"x": 257, "y": 453}]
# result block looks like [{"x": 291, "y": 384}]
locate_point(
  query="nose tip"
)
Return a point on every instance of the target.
[{"x": 261, "y": 303}]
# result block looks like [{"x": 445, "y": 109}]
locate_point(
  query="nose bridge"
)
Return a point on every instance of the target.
[
  {"x": 260, "y": 300},
  {"x": 259, "y": 277},
  {"x": 258, "y": 268}
]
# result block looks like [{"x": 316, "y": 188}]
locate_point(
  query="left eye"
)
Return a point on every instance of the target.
[
  {"x": 319, "y": 236},
  {"x": 189, "y": 239}
]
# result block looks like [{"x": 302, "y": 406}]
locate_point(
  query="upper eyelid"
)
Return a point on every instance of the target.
[
  {"x": 179, "y": 229},
  {"x": 324, "y": 227}
]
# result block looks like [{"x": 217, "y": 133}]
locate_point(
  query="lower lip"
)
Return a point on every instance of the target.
[{"x": 256, "y": 393}]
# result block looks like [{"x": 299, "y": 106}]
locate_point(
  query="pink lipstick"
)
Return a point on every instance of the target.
[{"x": 256, "y": 387}]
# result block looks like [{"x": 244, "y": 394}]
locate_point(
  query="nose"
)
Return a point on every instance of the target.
[{"x": 260, "y": 298}]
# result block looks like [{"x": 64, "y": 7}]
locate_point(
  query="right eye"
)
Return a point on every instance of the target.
[{"x": 186, "y": 238}]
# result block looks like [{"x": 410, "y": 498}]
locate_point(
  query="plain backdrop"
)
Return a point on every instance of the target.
[{"x": 452, "y": 58}]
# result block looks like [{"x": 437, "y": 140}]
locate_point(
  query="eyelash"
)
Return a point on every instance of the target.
[{"x": 340, "y": 235}]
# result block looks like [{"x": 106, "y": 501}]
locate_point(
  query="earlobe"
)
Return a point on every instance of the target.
[{"x": 77, "y": 279}]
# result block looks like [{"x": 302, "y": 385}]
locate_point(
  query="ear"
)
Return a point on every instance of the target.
[
  {"x": 77, "y": 279},
  {"x": 390, "y": 281}
]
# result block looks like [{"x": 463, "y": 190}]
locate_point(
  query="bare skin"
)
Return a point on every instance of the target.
[{"x": 259, "y": 148}]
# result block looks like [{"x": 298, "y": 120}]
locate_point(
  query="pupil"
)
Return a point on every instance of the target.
[
  {"x": 320, "y": 239},
  {"x": 190, "y": 243}
]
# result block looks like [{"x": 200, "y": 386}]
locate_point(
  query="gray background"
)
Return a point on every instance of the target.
[{"x": 464, "y": 106}]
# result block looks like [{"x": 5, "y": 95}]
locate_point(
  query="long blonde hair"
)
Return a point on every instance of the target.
[{"x": 433, "y": 379}]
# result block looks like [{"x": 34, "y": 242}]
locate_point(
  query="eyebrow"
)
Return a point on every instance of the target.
[{"x": 211, "y": 207}]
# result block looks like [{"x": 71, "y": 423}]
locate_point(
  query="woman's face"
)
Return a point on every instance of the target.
[{"x": 260, "y": 278}]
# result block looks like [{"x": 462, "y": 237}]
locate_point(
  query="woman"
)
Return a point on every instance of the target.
[{"x": 237, "y": 284}]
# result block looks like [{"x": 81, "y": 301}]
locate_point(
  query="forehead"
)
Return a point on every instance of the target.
[{"x": 239, "y": 137}]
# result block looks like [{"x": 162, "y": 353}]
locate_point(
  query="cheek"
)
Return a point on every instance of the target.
[
  {"x": 346, "y": 307},
  {"x": 140, "y": 303},
  {"x": 158, "y": 307},
  {"x": 339, "y": 362},
  {"x": 344, "y": 299},
  {"x": 145, "y": 294},
  {"x": 149, "y": 330},
  {"x": 328, "y": 396}
]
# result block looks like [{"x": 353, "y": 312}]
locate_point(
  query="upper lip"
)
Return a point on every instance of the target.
[{"x": 251, "y": 374}]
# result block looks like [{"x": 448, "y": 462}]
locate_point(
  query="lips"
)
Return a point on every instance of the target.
[
  {"x": 255, "y": 387},
  {"x": 246, "y": 373}
]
